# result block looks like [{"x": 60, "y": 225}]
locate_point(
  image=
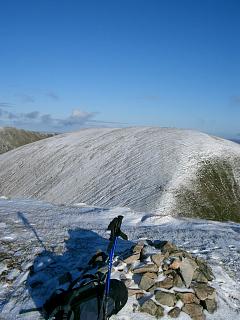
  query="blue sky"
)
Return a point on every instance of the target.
[{"x": 69, "y": 64}]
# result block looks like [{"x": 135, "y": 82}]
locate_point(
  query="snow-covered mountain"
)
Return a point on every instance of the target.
[
  {"x": 41, "y": 243},
  {"x": 158, "y": 170},
  {"x": 11, "y": 138}
]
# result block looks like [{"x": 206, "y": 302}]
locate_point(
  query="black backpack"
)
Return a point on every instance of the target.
[{"x": 85, "y": 302}]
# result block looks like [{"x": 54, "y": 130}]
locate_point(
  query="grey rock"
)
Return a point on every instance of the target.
[
  {"x": 158, "y": 259},
  {"x": 165, "y": 298},
  {"x": 177, "y": 281},
  {"x": 151, "y": 275},
  {"x": 152, "y": 308},
  {"x": 199, "y": 276},
  {"x": 147, "y": 268},
  {"x": 187, "y": 269},
  {"x": 203, "y": 291},
  {"x": 131, "y": 259},
  {"x": 167, "y": 283},
  {"x": 146, "y": 282},
  {"x": 138, "y": 247},
  {"x": 132, "y": 292},
  {"x": 175, "y": 312},
  {"x": 195, "y": 311},
  {"x": 204, "y": 269},
  {"x": 210, "y": 305},
  {"x": 169, "y": 247},
  {"x": 188, "y": 297}
]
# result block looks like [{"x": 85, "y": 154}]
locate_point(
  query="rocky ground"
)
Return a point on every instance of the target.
[
  {"x": 166, "y": 280},
  {"x": 53, "y": 241}
]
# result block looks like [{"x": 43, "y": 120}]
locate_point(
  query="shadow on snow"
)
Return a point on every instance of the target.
[{"x": 51, "y": 270}]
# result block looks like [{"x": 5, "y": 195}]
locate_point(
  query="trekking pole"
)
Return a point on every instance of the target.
[{"x": 116, "y": 232}]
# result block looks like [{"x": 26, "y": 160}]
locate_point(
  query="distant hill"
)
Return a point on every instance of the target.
[
  {"x": 236, "y": 140},
  {"x": 157, "y": 170},
  {"x": 11, "y": 138}
]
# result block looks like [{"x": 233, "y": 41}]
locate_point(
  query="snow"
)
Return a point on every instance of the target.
[
  {"x": 56, "y": 239},
  {"x": 142, "y": 167}
]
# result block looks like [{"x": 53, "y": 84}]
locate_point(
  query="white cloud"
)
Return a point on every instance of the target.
[{"x": 35, "y": 120}]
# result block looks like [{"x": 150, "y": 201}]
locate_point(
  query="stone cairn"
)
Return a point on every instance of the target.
[{"x": 166, "y": 280}]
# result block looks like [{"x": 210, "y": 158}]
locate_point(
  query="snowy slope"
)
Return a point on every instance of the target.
[
  {"x": 158, "y": 170},
  {"x": 31, "y": 233}
]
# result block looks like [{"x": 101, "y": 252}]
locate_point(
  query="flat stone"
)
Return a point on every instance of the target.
[
  {"x": 187, "y": 269},
  {"x": 203, "y": 291},
  {"x": 169, "y": 247},
  {"x": 195, "y": 311},
  {"x": 131, "y": 259},
  {"x": 151, "y": 275},
  {"x": 177, "y": 254},
  {"x": 210, "y": 305},
  {"x": 158, "y": 259},
  {"x": 167, "y": 283},
  {"x": 204, "y": 269},
  {"x": 188, "y": 297},
  {"x": 146, "y": 282},
  {"x": 138, "y": 247},
  {"x": 199, "y": 276},
  {"x": 132, "y": 292},
  {"x": 152, "y": 308},
  {"x": 147, "y": 268},
  {"x": 175, "y": 312},
  {"x": 177, "y": 281},
  {"x": 175, "y": 264},
  {"x": 165, "y": 298}
]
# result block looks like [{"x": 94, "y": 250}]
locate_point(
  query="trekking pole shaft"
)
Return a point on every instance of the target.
[
  {"x": 107, "y": 288},
  {"x": 110, "y": 266}
]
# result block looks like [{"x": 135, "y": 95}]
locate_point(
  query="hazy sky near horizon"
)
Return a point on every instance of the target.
[{"x": 66, "y": 64}]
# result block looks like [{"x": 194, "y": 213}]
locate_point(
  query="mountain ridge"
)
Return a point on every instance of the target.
[
  {"x": 157, "y": 170},
  {"x": 11, "y": 138}
]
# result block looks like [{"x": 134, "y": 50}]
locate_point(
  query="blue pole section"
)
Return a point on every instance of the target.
[{"x": 111, "y": 256}]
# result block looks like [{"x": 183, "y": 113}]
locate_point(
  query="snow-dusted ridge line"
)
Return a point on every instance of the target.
[
  {"x": 144, "y": 168},
  {"x": 60, "y": 238},
  {"x": 11, "y": 138}
]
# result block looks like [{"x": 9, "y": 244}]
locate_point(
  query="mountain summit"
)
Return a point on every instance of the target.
[{"x": 158, "y": 170}]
